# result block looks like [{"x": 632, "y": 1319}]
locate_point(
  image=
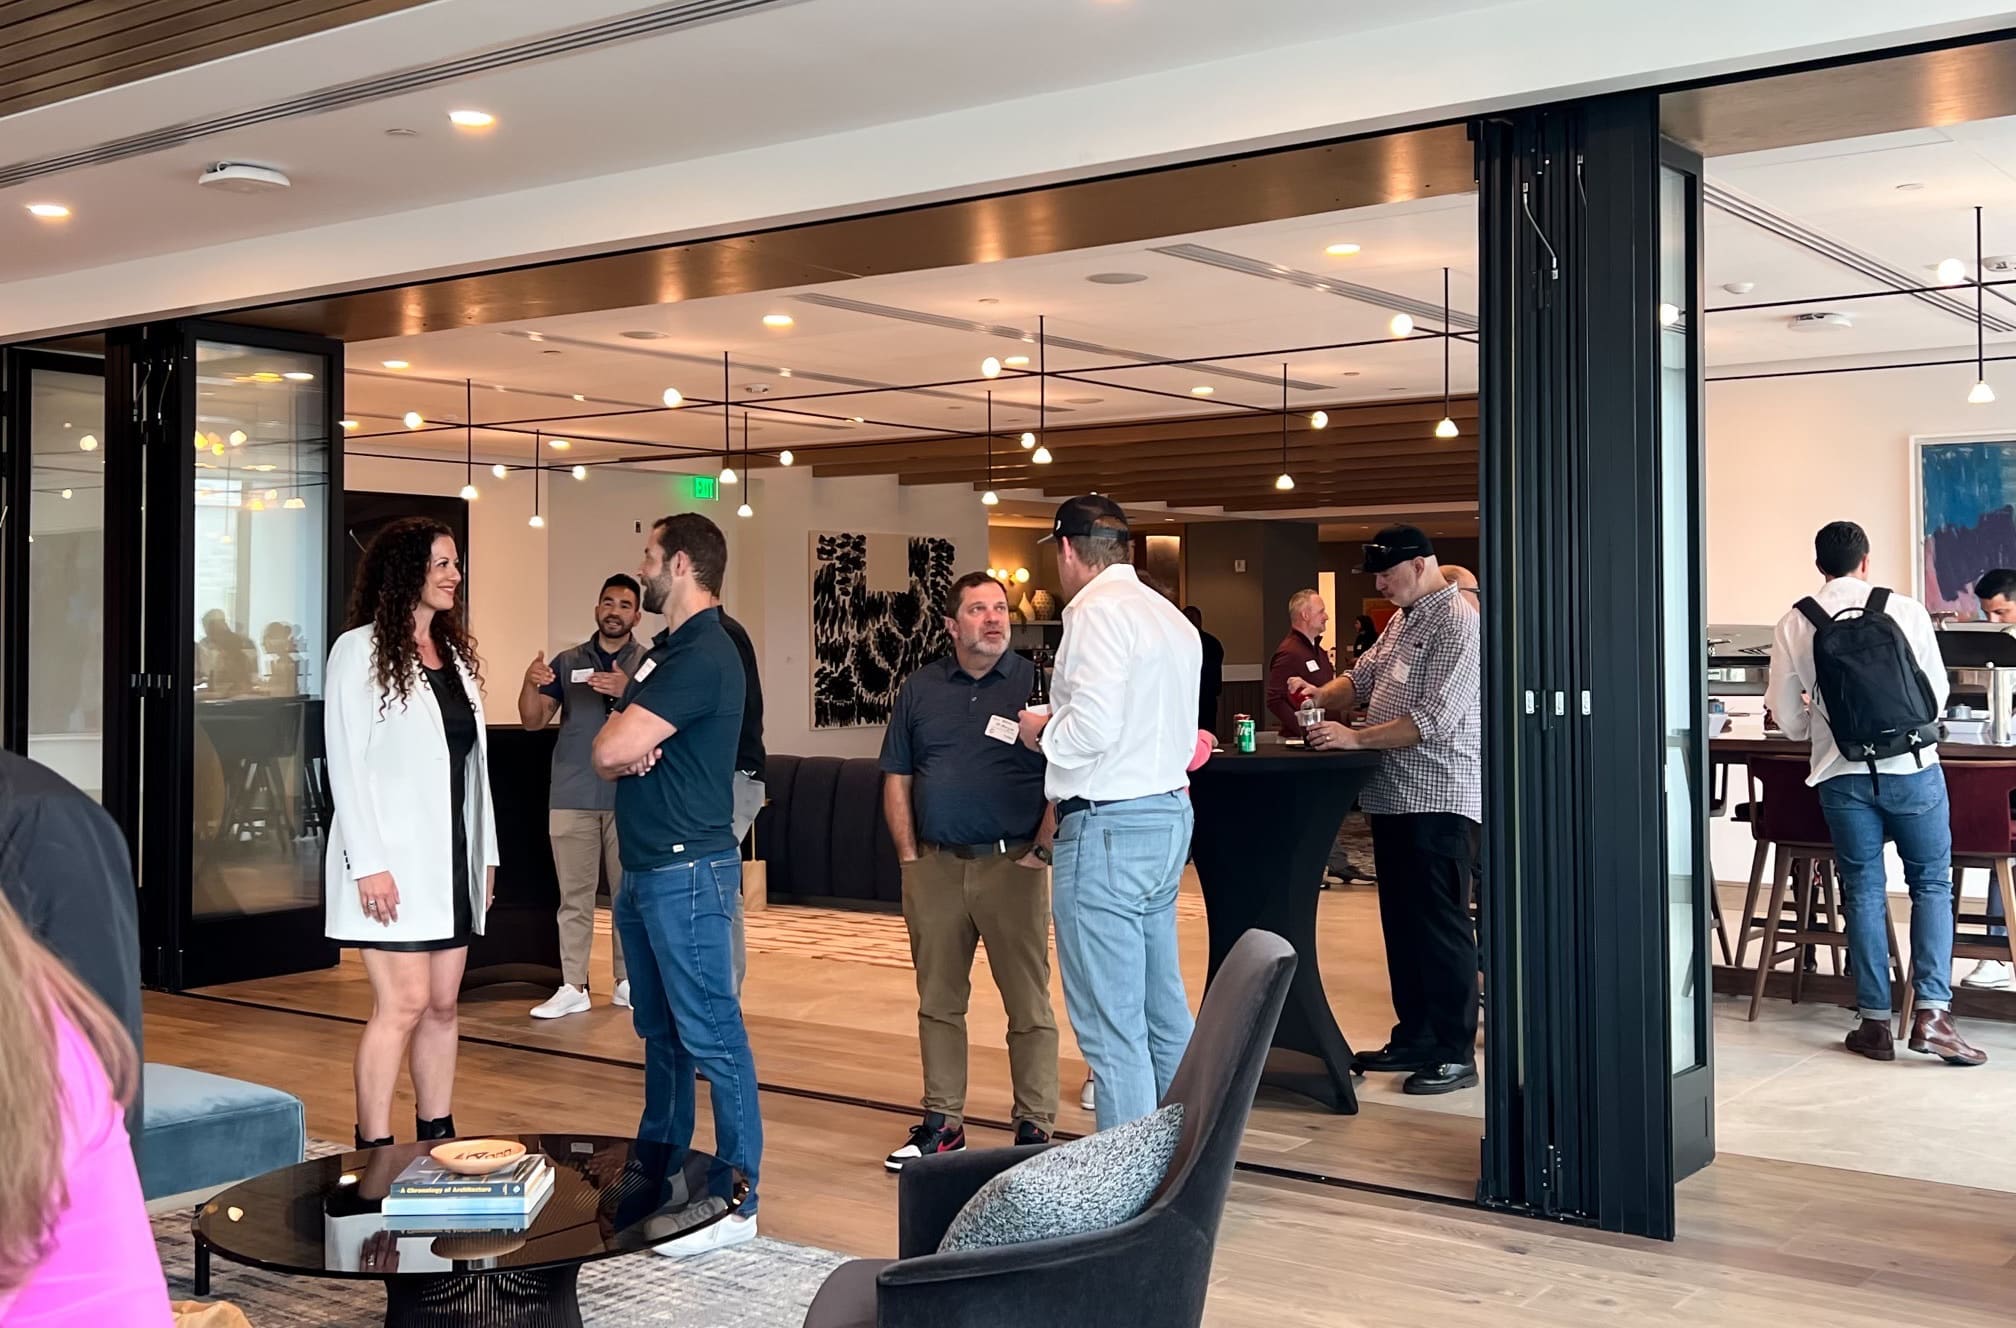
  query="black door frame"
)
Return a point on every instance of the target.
[{"x": 152, "y": 399}]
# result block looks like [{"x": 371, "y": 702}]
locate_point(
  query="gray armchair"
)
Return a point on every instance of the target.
[{"x": 1152, "y": 1271}]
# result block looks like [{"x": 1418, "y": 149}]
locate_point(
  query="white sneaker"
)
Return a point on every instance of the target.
[
  {"x": 1087, "y": 1097},
  {"x": 1991, "y": 975},
  {"x": 621, "y": 1000},
  {"x": 566, "y": 1000},
  {"x": 729, "y": 1231}
]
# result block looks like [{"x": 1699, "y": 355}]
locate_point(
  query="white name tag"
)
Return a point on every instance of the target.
[
  {"x": 581, "y": 675},
  {"x": 650, "y": 667},
  {"x": 1002, "y": 729},
  {"x": 1309, "y": 666},
  {"x": 1398, "y": 673}
]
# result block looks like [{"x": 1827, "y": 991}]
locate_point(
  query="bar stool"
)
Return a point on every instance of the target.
[
  {"x": 1984, "y": 835},
  {"x": 1805, "y": 905}
]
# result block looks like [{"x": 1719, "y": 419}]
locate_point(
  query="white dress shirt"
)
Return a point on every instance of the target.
[
  {"x": 1792, "y": 674},
  {"x": 1123, "y": 697}
]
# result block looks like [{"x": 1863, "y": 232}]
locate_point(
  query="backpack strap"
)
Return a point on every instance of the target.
[
  {"x": 1878, "y": 598},
  {"x": 1814, "y": 613}
]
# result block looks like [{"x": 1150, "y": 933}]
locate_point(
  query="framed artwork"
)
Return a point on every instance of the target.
[
  {"x": 876, "y": 619},
  {"x": 1964, "y": 506}
]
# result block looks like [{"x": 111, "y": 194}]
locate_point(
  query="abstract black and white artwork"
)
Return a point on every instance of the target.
[{"x": 875, "y": 620}]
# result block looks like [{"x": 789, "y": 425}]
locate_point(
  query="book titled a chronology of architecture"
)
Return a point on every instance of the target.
[{"x": 425, "y": 1186}]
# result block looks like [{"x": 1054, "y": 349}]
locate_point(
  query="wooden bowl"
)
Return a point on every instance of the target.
[{"x": 477, "y": 1157}]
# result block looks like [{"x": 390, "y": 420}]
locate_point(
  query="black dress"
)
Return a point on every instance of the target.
[{"x": 458, "y": 721}]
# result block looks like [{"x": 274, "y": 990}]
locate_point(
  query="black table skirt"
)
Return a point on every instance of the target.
[{"x": 1265, "y": 826}]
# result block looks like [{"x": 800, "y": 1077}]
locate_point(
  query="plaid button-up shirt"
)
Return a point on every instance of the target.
[{"x": 1425, "y": 667}]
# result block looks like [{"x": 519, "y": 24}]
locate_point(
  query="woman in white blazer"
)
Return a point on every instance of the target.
[{"x": 413, "y": 844}]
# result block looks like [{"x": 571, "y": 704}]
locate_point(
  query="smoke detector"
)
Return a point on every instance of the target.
[
  {"x": 1999, "y": 263},
  {"x": 236, "y": 177},
  {"x": 1819, "y": 322}
]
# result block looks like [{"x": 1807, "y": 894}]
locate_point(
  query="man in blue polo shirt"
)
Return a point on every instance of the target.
[
  {"x": 671, "y": 749},
  {"x": 964, "y": 802}
]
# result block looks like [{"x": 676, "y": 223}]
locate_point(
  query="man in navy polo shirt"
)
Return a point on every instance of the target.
[{"x": 671, "y": 749}]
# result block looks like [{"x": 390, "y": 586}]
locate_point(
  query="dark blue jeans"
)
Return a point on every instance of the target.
[
  {"x": 677, "y": 926},
  {"x": 1862, "y": 811}
]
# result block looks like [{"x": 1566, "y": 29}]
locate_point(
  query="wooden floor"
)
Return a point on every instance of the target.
[{"x": 1762, "y": 1242}]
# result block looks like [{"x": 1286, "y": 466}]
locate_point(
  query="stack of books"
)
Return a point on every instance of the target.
[{"x": 426, "y": 1196}]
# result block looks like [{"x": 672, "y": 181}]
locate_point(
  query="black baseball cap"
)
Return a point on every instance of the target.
[
  {"x": 1395, "y": 545},
  {"x": 1080, "y": 516}
]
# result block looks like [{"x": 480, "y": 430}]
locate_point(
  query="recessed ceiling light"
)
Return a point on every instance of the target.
[
  {"x": 1909, "y": 187},
  {"x": 402, "y": 133},
  {"x": 1202, "y": 390},
  {"x": 348, "y": 424},
  {"x": 558, "y": 444},
  {"x": 579, "y": 397},
  {"x": 48, "y": 211},
  {"x": 643, "y": 334},
  {"x": 783, "y": 373},
  {"x": 1342, "y": 250},
  {"x": 1116, "y": 278},
  {"x": 988, "y": 299},
  {"x": 1739, "y": 287},
  {"x": 1016, "y": 361},
  {"x": 1083, "y": 401},
  {"x": 298, "y": 376},
  {"x": 755, "y": 389},
  {"x": 777, "y": 320},
  {"x": 396, "y": 364},
  {"x": 471, "y": 119}
]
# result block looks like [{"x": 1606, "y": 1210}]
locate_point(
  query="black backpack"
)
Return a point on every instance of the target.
[{"x": 1878, "y": 701}]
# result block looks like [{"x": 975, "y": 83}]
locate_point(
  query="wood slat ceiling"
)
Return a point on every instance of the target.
[
  {"x": 53, "y": 50},
  {"x": 1384, "y": 453}
]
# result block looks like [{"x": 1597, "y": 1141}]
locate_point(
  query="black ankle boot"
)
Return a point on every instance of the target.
[
  {"x": 363, "y": 1143},
  {"x": 441, "y": 1128}
]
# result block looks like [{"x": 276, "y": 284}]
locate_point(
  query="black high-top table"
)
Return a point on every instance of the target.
[{"x": 1266, "y": 822}]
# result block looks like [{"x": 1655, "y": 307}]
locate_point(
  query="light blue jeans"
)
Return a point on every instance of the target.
[
  {"x": 1863, "y": 811},
  {"x": 1113, "y": 893}
]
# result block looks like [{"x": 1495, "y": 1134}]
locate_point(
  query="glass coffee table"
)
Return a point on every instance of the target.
[{"x": 610, "y": 1196}]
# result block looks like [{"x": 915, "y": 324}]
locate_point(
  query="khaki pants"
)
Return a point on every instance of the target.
[
  {"x": 584, "y": 846},
  {"x": 950, "y": 904}
]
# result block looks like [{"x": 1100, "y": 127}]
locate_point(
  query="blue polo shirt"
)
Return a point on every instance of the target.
[
  {"x": 692, "y": 679},
  {"x": 966, "y": 787}
]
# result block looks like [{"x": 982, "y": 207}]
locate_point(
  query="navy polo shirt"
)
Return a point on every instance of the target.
[
  {"x": 683, "y": 809},
  {"x": 966, "y": 787}
]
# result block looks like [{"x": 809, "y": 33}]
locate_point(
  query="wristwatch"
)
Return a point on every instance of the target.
[{"x": 1042, "y": 854}]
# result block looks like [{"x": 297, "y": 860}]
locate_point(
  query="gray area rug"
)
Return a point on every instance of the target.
[{"x": 764, "y": 1284}]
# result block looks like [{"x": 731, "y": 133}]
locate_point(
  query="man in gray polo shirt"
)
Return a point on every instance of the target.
[
  {"x": 583, "y": 685},
  {"x": 964, "y": 802}
]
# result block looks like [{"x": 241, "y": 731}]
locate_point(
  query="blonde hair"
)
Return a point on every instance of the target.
[{"x": 36, "y": 991}]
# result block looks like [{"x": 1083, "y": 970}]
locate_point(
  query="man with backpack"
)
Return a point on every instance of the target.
[{"x": 1857, "y": 669}]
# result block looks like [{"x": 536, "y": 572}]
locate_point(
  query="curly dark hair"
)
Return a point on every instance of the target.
[{"x": 389, "y": 581}]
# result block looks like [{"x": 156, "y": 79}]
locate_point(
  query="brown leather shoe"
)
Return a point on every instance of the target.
[
  {"x": 1872, "y": 1039},
  {"x": 1933, "y": 1033}
]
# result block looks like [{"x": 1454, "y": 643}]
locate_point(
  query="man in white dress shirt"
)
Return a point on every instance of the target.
[
  {"x": 1899, "y": 798},
  {"x": 1119, "y": 737}
]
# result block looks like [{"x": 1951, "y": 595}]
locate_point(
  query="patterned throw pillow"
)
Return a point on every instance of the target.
[{"x": 1089, "y": 1184}]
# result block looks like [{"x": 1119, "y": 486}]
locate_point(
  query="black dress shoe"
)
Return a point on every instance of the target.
[
  {"x": 1389, "y": 1060},
  {"x": 1446, "y": 1078},
  {"x": 440, "y": 1128},
  {"x": 363, "y": 1143}
]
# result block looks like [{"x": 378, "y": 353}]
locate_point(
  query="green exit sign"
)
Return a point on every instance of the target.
[{"x": 705, "y": 488}]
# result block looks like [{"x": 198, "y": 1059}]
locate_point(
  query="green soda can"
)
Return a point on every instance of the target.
[{"x": 1243, "y": 731}]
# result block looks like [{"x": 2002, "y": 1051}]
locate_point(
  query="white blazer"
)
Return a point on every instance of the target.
[{"x": 388, "y": 774}]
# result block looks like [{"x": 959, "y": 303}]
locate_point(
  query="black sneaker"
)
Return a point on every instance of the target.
[
  {"x": 929, "y": 1137},
  {"x": 1028, "y": 1135},
  {"x": 1434, "y": 1079},
  {"x": 1389, "y": 1060}
]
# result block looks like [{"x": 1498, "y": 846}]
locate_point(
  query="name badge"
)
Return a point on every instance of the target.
[
  {"x": 581, "y": 675},
  {"x": 1398, "y": 673},
  {"x": 1309, "y": 666},
  {"x": 1003, "y": 729},
  {"x": 650, "y": 667}
]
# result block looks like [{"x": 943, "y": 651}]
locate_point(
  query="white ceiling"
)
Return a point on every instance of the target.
[{"x": 789, "y": 71}]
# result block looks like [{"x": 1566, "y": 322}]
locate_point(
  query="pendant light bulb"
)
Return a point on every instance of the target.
[
  {"x": 536, "y": 521},
  {"x": 469, "y": 494},
  {"x": 1981, "y": 394},
  {"x": 989, "y": 498},
  {"x": 1284, "y": 481},
  {"x": 1952, "y": 272},
  {"x": 295, "y": 504},
  {"x": 412, "y": 419},
  {"x": 580, "y": 472},
  {"x": 1041, "y": 456},
  {"x": 990, "y": 367},
  {"x": 745, "y": 510},
  {"x": 673, "y": 399},
  {"x": 785, "y": 458},
  {"x": 500, "y": 470},
  {"x": 1028, "y": 441},
  {"x": 1401, "y": 326},
  {"x": 1446, "y": 429},
  {"x": 1320, "y": 420},
  {"x": 728, "y": 475}
]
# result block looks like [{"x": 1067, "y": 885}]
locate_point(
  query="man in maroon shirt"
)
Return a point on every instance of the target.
[{"x": 1300, "y": 655}]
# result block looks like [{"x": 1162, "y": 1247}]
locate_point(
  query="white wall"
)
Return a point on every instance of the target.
[
  {"x": 790, "y": 505},
  {"x": 1788, "y": 455}
]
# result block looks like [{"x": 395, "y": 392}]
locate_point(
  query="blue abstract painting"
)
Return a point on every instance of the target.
[{"x": 1967, "y": 521}]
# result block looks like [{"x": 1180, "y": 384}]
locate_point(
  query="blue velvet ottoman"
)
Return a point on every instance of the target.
[{"x": 203, "y": 1130}]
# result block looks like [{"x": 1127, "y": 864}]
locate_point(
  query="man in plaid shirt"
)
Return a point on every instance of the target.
[{"x": 1419, "y": 686}]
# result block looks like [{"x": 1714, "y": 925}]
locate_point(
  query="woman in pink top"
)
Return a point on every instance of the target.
[{"x": 75, "y": 1247}]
